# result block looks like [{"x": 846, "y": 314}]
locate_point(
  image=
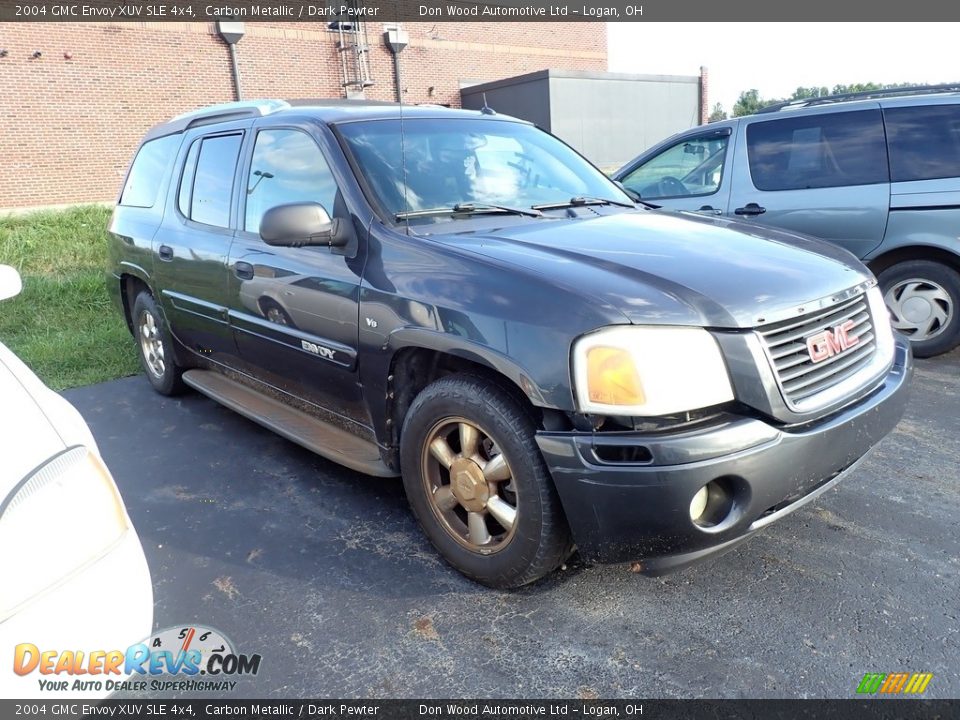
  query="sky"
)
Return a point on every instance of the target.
[{"x": 776, "y": 58}]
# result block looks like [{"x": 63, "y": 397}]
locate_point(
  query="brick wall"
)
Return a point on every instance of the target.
[
  {"x": 704, "y": 95},
  {"x": 73, "y": 116}
]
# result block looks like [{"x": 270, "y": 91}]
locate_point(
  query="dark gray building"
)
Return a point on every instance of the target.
[{"x": 609, "y": 117}]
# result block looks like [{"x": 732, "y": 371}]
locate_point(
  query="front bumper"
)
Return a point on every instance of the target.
[{"x": 621, "y": 512}]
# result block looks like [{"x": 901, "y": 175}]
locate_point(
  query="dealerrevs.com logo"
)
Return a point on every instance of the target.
[{"x": 172, "y": 660}]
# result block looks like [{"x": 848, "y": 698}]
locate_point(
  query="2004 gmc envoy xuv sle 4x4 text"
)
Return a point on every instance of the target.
[{"x": 461, "y": 299}]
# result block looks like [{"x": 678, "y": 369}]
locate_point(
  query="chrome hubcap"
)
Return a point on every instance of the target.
[
  {"x": 470, "y": 485},
  {"x": 151, "y": 345},
  {"x": 920, "y": 309}
]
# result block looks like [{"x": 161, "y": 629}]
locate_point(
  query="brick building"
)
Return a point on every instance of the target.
[{"x": 73, "y": 114}]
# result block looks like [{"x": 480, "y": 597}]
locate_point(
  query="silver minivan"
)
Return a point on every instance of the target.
[{"x": 875, "y": 173}]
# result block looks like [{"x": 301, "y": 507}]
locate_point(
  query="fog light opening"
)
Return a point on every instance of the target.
[{"x": 712, "y": 504}]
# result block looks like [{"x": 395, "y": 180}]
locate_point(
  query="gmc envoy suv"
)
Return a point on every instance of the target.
[{"x": 460, "y": 299}]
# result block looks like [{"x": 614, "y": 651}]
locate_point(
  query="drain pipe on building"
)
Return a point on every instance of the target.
[
  {"x": 396, "y": 39},
  {"x": 231, "y": 32}
]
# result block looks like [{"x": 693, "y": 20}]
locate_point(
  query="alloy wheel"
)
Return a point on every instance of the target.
[
  {"x": 151, "y": 345},
  {"x": 469, "y": 484}
]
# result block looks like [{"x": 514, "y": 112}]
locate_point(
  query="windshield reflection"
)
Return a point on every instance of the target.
[{"x": 452, "y": 163}]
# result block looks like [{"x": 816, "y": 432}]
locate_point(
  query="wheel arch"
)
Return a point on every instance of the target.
[
  {"x": 913, "y": 252},
  {"x": 132, "y": 282},
  {"x": 411, "y": 366}
]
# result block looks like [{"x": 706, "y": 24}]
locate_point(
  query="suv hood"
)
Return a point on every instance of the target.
[{"x": 670, "y": 269}]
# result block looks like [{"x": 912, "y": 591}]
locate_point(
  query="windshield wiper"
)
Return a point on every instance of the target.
[
  {"x": 468, "y": 209},
  {"x": 580, "y": 201}
]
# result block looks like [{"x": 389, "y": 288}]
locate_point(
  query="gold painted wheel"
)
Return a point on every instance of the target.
[{"x": 469, "y": 485}]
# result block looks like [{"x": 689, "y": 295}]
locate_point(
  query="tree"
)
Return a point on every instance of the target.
[
  {"x": 805, "y": 93},
  {"x": 748, "y": 103},
  {"x": 750, "y": 100},
  {"x": 718, "y": 113}
]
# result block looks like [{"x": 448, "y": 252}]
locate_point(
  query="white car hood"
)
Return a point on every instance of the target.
[{"x": 28, "y": 436}]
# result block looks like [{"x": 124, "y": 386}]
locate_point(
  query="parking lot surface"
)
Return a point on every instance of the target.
[{"x": 325, "y": 573}]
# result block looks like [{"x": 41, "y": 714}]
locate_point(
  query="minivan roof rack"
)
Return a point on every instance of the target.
[
  {"x": 862, "y": 95},
  {"x": 229, "y": 111}
]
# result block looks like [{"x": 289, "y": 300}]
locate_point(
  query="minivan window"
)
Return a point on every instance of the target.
[
  {"x": 213, "y": 180},
  {"x": 148, "y": 171},
  {"x": 924, "y": 142},
  {"x": 693, "y": 166},
  {"x": 287, "y": 167},
  {"x": 818, "y": 151}
]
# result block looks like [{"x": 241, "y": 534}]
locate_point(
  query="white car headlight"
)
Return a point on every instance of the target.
[
  {"x": 66, "y": 514},
  {"x": 648, "y": 371}
]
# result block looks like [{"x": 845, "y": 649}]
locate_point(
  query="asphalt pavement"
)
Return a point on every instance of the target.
[{"x": 325, "y": 573}]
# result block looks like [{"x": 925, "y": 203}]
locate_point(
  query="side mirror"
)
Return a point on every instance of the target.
[
  {"x": 10, "y": 282},
  {"x": 300, "y": 224}
]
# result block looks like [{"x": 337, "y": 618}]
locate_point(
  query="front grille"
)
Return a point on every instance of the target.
[{"x": 786, "y": 346}]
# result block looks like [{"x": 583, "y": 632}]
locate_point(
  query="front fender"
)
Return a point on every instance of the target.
[{"x": 458, "y": 346}]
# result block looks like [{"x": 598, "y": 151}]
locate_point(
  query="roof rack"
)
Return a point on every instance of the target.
[
  {"x": 335, "y": 102},
  {"x": 230, "y": 111},
  {"x": 862, "y": 95}
]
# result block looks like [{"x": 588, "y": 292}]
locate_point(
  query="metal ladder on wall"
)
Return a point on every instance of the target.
[{"x": 354, "y": 52}]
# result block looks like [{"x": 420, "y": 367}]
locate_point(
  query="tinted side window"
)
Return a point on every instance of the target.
[
  {"x": 213, "y": 180},
  {"x": 287, "y": 167},
  {"x": 924, "y": 142},
  {"x": 148, "y": 171},
  {"x": 818, "y": 151}
]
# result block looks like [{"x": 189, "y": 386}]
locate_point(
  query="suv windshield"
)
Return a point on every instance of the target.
[{"x": 466, "y": 163}]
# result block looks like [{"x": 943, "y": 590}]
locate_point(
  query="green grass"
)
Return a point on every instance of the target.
[{"x": 63, "y": 325}]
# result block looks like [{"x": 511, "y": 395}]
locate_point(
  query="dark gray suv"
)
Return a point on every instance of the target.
[
  {"x": 461, "y": 299},
  {"x": 876, "y": 173}
]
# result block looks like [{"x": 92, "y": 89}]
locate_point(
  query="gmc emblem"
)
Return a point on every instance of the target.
[{"x": 831, "y": 342}]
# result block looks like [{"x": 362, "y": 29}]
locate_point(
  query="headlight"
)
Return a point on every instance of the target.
[
  {"x": 63, "y": 516},
  {"x": 649, "y": 371}
]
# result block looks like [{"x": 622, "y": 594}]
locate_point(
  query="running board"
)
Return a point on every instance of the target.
[{"x": 295, "y": 425}]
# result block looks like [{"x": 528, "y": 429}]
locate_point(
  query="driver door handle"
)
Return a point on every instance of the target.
[
  {"x": 750, "y": 209},
  {"x": 709, "y": 210}
]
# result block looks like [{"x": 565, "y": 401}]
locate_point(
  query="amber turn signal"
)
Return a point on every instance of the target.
[{"x": 612, "y": 378}]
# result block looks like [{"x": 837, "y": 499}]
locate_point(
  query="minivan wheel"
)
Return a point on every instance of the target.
[
  {"x": 924, "y": 301},
  {"x": 478, "y": 485},
  {"x": 156, "y": 347}
]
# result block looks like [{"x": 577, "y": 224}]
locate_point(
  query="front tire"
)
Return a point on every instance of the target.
[
  {"x": 478, "y": 485},
  {"x": 924, "y": 301},
  {"x": 155, "y": 346}
]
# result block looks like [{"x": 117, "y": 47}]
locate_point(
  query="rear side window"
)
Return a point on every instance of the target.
[
  {"x": 207, "y": 183},
  {"x": 818, "y": 151},
  {"x": 924, "y": 142},
  {"x": 149, "y": 169}
]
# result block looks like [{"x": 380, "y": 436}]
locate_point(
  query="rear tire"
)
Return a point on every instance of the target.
[
  {"x": 924, "y": 301},
  {"x": 155, "y": 346},
  {"x": 478, "y": 485}
]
